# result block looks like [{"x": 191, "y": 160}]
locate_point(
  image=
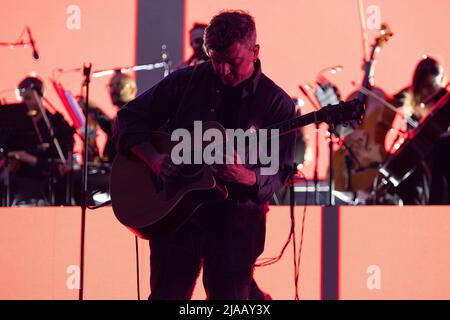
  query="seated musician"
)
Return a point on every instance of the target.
[
  {"x": 428, "y": 78},
  {"x": 32, "y": 169},
  {"x": 417, "y": 100},
  {"x": 122, "y": 89}
]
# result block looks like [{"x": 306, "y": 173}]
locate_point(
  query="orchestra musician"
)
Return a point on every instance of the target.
[
  {"x": 428, "y": 78},
  {"x": 122, "y": 89},
  {"x": 427, "y": 81},
  {"x": 196, "y": 42},
  {"x": 37, "y": 175}
]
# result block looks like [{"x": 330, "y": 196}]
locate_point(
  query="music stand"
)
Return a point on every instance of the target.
[{"x": 17, "y": 132}]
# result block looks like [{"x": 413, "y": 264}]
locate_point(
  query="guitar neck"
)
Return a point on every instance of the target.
[
  {"x": 293, "y": 124},
  {"x": 331, "y": 114}
]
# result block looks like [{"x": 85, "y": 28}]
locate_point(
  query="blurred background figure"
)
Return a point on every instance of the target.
[
  {"x": 37, "y": 175},
  {"x": 122, "y": 89},
  {"x": 196, "y": 41},
  {"x": 428, "y": 79},
  {"x": 427, "y": 88}
]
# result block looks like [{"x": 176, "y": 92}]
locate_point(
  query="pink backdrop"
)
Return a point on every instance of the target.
[{"x": 384, "y": 253}]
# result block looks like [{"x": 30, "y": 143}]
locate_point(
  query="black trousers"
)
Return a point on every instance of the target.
[{"x": 176, "y": 260}]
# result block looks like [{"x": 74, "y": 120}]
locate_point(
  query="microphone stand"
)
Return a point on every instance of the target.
[
  {"x": 86, "y": 73},
  {"x": 108, "y": 72},
  {"x": 330, "y": 170},
  {"x": 316, "y": 168},
  {"x": 23, "y": 44}
]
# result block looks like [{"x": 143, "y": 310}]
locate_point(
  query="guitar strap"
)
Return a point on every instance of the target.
[
  {"x": 255, "y": 115},
  {"x": 183, "y": 106}
]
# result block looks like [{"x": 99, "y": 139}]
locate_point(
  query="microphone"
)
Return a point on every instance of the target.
[{"x": 35, "y": 53}]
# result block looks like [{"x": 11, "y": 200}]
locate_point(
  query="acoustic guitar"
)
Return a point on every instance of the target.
[{"x": 148, "y": 207}]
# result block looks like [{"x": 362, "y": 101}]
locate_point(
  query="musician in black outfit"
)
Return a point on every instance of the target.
[
  {"x": 225, "y": 237},
  {"x": 199, "y": 56},
  {"x": 40, "y": 169},
  {"x": 426, "y": 89}
]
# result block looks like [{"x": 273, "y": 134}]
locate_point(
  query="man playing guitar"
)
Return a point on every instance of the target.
[{"x": 225, "y": 237}]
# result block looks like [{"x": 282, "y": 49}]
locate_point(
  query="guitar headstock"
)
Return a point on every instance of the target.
[{"x": 343, "y": 112}]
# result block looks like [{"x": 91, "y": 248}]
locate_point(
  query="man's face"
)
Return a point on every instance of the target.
[
  {"x": 235, "y": 64},
  {"x": 29, "y": 97},
  {"x": 122, "y": 90},
  {"x": 196, "y": 39}
]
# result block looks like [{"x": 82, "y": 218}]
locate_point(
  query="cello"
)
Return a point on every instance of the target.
[{"x": 356, "y": 163}]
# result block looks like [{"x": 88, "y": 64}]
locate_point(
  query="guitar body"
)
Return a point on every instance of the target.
[{"x": 150, "y": 207}]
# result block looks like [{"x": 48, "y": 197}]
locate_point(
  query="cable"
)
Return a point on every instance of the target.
[
  {"x": 294, "y": 242},
  {"x": 297, "y": 276},
  {"x": 292, "y": 237},
  {"x": 264, "y": 262},
  {"x": 269, "y": 261}
]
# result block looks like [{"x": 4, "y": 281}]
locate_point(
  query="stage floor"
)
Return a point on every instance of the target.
[{"x": 375, "y": 252}]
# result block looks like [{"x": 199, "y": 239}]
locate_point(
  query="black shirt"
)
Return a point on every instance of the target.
[
  {"x": 190, "y": 94},
  {"x": 231, "y": 103},
  {"x": 193, "y": 94}
]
